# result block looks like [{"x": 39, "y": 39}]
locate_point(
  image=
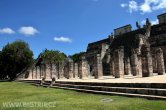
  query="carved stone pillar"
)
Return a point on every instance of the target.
[
  {"x": 160, "y": 61},
  {"x": 84, "y": 70},
  {"x": 98, "y": 67},
  {"x": 30, "y": 73},
  {"x": 139, "y": 66},
  {"x": 119, "y": 62},
  {"x": 147, "y": 61},
  {"x": 54, "y": 71},
  {"x": 48, "y": 71},
  {"x": 42, "y": 71},
  {"x": 127, "y": 66},
  {"x": 154, "y": 61},
  {"x": 112, "y": 68},
  {"x": 75, "y": 70},
  {"x": 34, "y": 73},
  {"x": 37, "y": 72},
  {"x": 134, "y": 64},
  {"x": 70, "y": 69},
  {"x": 60, "y": 70}
]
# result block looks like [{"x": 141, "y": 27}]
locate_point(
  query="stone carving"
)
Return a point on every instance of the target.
[
  {"x": 138, "y": 25},
  {"x": 84, "y": 70},
  {"x": 160, "y": 61},
  {"x": 147, "y": 28},
  {"x": 119, "y": 63}
]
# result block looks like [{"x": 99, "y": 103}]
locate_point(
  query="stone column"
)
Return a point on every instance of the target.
[
  {"x": 84, "y": 70},
  {"x": 134, "y": 63},
  {"x": 70, "y": 70},
  {"x": 127, "y": 66},
  {"x": 38, "y": 72},
  {"x": 98, "y": 67},
  {"x": 139, "y": 66},
  {"x": 75, "y": 70},
  {"x": 160, "y": 61},
  {"x": 147, "y": 61},
  {"x": 42, "y": 71},
  {"x": 30, "y": 73},
  {"x": 34, "y": 73},
  {"x": 119, "y": 62},
  {"x": 60, "y": 70},
  {"x": 48, "y": 71},
  {"x": 112, "y": 68},
  {"x": 154, "y": 61},
  {"x": 54, "y": 71},
  {"x": 149, "y": 65}
]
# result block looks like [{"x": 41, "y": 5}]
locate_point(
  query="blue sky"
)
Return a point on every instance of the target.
[{"x": 69, "y": 25}]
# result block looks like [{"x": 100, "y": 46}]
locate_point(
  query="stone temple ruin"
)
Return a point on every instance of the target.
[{"x": 127, "y": 53}]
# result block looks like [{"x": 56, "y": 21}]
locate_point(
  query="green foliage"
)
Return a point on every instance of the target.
[
  {"x": 52, "y": 56},
  {"x": 14, "y": 58},
  {"x": 76, "y": 57}
]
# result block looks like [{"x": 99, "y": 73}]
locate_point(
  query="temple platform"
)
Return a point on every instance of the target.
[
  {"x": 146, "y": 87},
  {"x": 111, "y": 79}
]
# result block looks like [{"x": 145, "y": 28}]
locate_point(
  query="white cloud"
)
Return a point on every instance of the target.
[
  {"x": 63, "y": 39},
  {"x": 133, "y": 6},
  {"x": 145, "y": 7},
  {"x": 28, "y": 30},
  {"x": 123, "y": 5},
  {"x": 6, "y": 31},
  {"x": 153, "y": 22}
]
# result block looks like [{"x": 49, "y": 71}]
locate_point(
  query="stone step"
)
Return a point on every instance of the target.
[
  {"x": 134, "y": 85},
  {"x": 114, "y": 93},
  {"x": 151, "y": 93},
  {"x": 146, "y": 91}
]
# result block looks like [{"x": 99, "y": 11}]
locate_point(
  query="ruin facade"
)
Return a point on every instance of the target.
[{"x": 135, "y": 53}]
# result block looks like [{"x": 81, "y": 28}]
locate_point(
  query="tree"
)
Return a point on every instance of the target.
[
  {"x": 76, "y": 57},
  {"x": 52, "y": 56},
  {"x": 14, "y": 58}
]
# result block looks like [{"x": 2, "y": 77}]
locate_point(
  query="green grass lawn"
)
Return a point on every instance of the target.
[{"x": 15, "y": 92}]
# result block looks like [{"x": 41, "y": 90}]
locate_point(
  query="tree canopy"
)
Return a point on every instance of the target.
[
  {"x": 14, "y": 57},
  {"x": 76, "y": 57},
  {"x": 52, "y": 56}
]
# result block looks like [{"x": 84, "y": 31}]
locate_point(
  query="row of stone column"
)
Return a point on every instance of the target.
[
  {"x": 140, "y": 65},
  {"x": 61, "y": 70}
]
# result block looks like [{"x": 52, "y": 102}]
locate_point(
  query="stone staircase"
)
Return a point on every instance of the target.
[{"x": 142, "y": 90}]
